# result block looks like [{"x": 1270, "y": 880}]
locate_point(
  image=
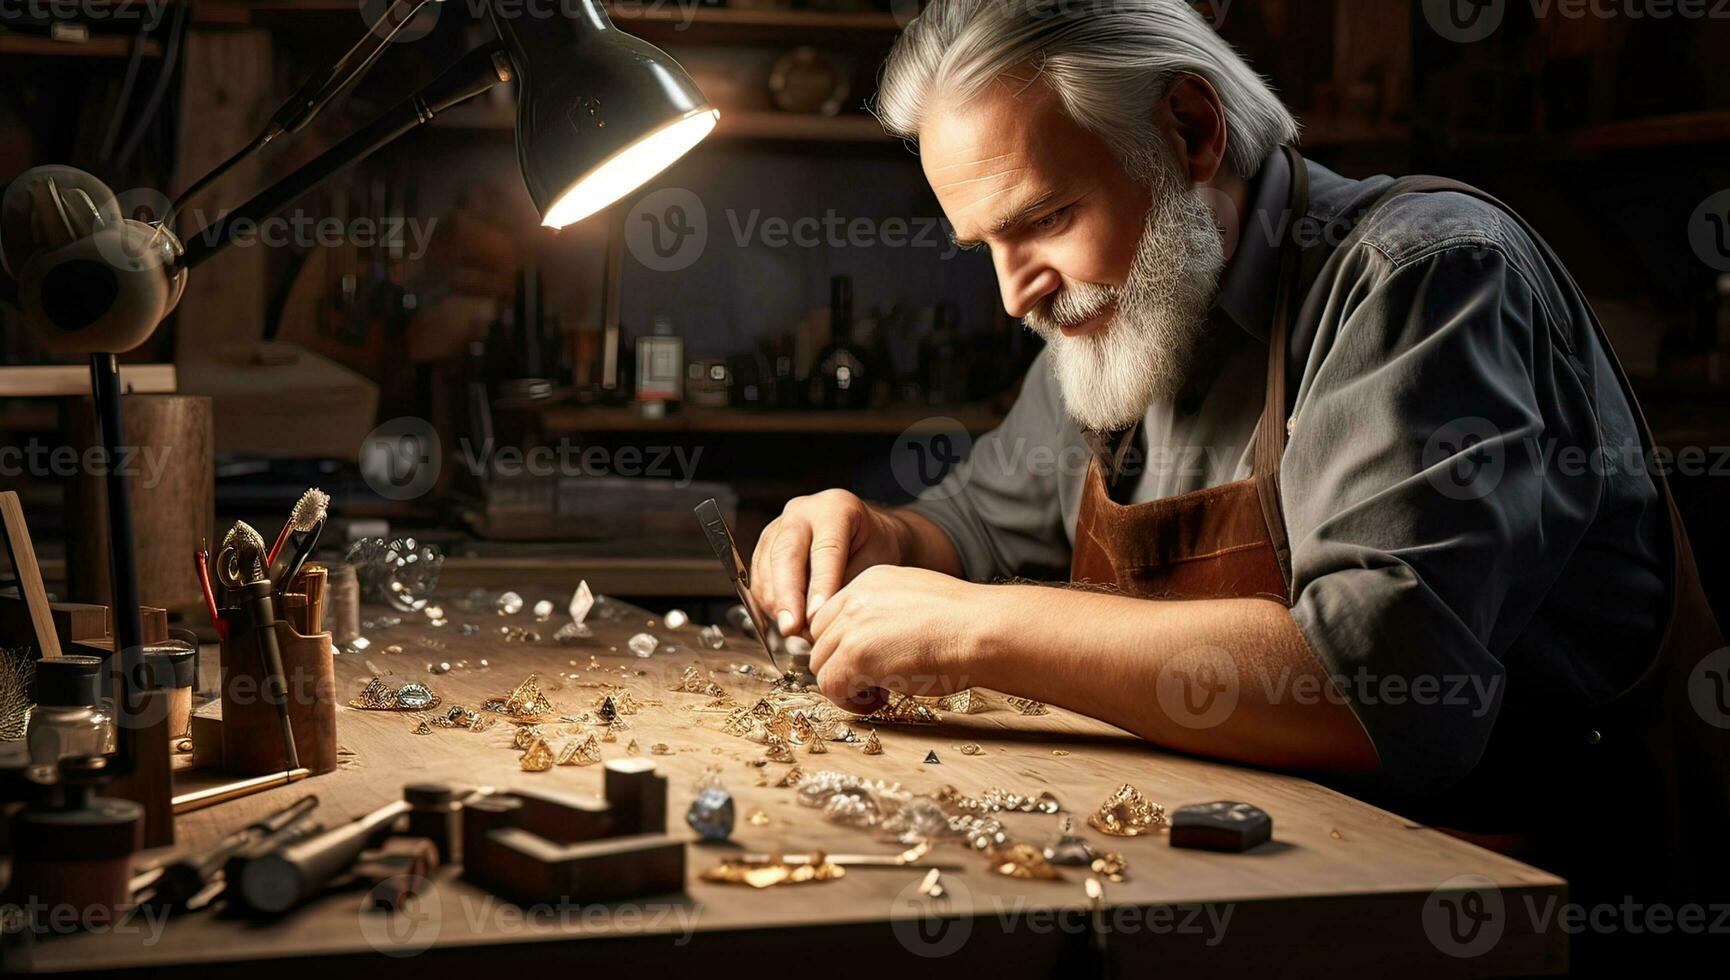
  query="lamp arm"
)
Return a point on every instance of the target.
[
  {"x": 472, "y": 74},
  {"x": 307, "y": 102},
  {"x": 311, "y": 98}
]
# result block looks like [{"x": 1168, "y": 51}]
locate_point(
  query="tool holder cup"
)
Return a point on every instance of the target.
[{"x": 252, "y": 742}]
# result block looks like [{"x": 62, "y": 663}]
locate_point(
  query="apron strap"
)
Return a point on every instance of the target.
[{"x": 1270, "y": 436}]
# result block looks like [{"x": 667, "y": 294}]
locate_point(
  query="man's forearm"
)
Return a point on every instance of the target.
[
  {"x": 1232, "y": 678},
  {"x": 923, "y": 544}
]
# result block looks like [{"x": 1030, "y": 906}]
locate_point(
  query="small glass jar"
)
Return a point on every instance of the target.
[{"x": 71, "y": 717}]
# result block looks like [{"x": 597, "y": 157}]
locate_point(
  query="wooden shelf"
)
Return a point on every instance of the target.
[
  {"x": 734, "y": 125},
  {"x": 884, "y": 421},
  {"x": 706, "y": 19},
  {"x": 105, "y": 46},
  {"x": 797, "y": 127},
  {"x": 1332, "y": 131},
  {"x": 1682, "y": 129}
]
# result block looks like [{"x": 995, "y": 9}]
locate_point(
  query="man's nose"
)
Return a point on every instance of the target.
[{"x": 1023, "y": 282}]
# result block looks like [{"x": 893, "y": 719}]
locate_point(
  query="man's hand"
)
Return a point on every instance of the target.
[
  {"x": 817, "y": 545},
  {"x": 897, "y": 629}
]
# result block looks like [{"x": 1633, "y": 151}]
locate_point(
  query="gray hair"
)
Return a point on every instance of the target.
[{"x": 1109, "y": 61}]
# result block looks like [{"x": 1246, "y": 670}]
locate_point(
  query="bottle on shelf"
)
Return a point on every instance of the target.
[
  {"x": 660, "y": 368},
  {"x": 842, "y": 371}
]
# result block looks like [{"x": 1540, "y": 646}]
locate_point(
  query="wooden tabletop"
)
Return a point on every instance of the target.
[{"x": 1343, "y": 886}]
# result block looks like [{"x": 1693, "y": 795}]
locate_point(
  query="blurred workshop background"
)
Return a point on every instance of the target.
[{"x": 768, "y": 316}]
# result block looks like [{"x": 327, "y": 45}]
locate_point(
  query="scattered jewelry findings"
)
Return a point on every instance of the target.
[
  {"x": 931, "y": 758},
  {"x": 932, "y": 886},
  {"x": 538, "y": 758},
  {"x": 768, "y": 874},
  {"x": 1022, "y": 861},
  {"x": 1111, "y": 865},
  {"x": 970, "y": 748},
  {"x": 873, "y": 745},
  {"x": 1028, "y": 706}
]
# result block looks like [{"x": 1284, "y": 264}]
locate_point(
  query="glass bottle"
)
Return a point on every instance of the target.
[
  {"x": 71, "y": 717},
  {"x": 842, "y": 366}
]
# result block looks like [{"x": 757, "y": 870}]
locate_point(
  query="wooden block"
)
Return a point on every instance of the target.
[
  {"x": 29, "y": 574},
  {"x": 152, "y": 783},
  {"x": 530, "y": 869},
  {"x": 564, "y": 818},
  {"x": 73, "y": 621},
  {"x": 638, "y": 796}
]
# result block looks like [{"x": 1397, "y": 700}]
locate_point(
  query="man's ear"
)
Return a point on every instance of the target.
[{"x": 1193, "y": 120}]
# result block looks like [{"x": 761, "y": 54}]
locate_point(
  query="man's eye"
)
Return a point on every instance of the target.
[{"x": 1051, "y": 220}]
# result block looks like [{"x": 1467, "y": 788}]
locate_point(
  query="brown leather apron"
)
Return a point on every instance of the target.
[{"x": 1630, "y": 798}]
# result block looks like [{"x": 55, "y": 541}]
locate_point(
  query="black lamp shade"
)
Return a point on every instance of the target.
[{"x": 599, "y": 112}]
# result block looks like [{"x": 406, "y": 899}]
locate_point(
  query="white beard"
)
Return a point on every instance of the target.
[{"x": 1111, "y": 377}]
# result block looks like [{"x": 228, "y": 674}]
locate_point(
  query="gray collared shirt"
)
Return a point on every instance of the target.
[{"x": 1471, "y": 519}]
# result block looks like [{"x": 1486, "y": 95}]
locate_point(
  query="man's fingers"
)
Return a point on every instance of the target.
[
  {"x": 762, "y": 582},
  {"x": 788, "y": 562},
  {"x": 830, "y": 548}
]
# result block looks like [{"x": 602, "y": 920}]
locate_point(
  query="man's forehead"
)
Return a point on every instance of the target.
[{"x": 996, "y": 152}]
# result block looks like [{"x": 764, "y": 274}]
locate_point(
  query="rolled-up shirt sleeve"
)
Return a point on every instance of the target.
[
  {"x": 1001, "y": 507},
  {"x": 1420, "y": 523}
]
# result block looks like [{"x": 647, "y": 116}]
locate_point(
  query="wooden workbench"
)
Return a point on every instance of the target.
[{"x": 1343, "y": 886}]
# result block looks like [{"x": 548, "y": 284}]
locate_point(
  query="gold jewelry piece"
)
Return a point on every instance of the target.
[
  {"x": 902, "y": 709},
  {"x": 660, "y": 748},
  {"x": 776, "y": 750},
  {"x": 424, "y": 728},
  {"x": 792, "y": 777},
  {"x": 969, "y": 748},
  {"x": 873, "y": 745},
  {"x": 538, "y": 758},
  {"x": 740, "y": 723},
  {"x": 757, "y": 818},
  {"x": 631, "y": 747},
  {"x": 375, "y": 697},
  {"x": 1028, "y": 706},
  {"x": 1126, "y": 813},
  {"x": 1022, "y": 861},
  {"x": 525, "y": 736},
  {"x": 585, "y": 751},
  {"x": 1110, "y": 864},
  {"x": 527, "y": 701},
  {"x": 816, "y": 867},
  {"x": 816, "y": 747}
]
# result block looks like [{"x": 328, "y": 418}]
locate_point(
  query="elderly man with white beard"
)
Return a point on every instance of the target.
[{"x": 1362, "y": 568}]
